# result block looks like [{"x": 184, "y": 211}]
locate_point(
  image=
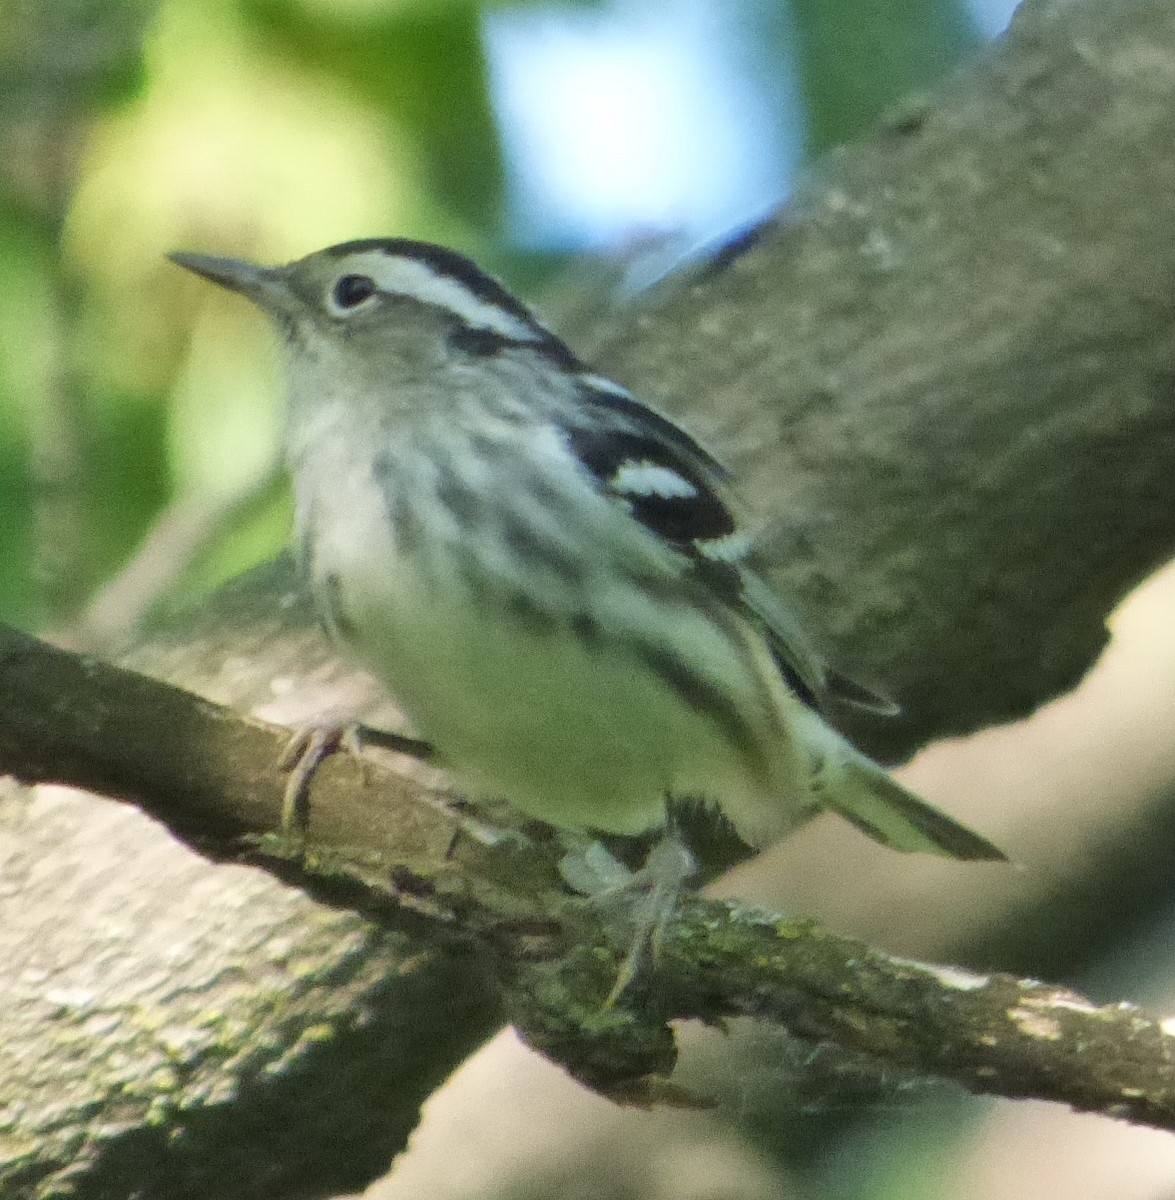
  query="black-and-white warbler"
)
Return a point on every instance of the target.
[{"x": 545, "y": 571}]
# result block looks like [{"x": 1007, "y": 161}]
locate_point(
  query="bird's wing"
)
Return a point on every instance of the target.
[
  {"x": 789, "y": 644},
  {"x": 678, "y": 491},
  {"x": 644, "y": 461}
]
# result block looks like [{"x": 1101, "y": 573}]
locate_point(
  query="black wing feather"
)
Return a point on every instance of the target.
[
  {"x": 675, "y": 488},
  {"x": 619, "y": 433},
  {"x": 690, "y": 512}
]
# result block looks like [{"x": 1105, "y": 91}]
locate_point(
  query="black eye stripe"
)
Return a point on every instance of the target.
[{"x": 351, "y": 290}]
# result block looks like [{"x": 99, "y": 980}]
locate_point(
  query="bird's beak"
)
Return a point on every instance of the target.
[{"x": 262, "y": 285}]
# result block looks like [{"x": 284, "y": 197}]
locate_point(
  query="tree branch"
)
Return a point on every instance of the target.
[
  {"x": 990, "y": 1033},
  {"x": 219, "y": 787}
]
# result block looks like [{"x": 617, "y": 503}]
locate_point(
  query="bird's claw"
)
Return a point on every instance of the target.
[
  {"x": 304, "y": 753},
  {"x": 657, "y": 886}
]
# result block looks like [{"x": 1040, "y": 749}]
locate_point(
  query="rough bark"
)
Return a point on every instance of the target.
[
  {"x": 176, "y": 1027},
  {"x": 943, "y": 377},
  {"x": 944, "y": 373},
  {"x": 553, "y": 960}
]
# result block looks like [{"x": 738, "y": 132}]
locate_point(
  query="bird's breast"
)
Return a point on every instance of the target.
[{"x": 547, "y": 666}]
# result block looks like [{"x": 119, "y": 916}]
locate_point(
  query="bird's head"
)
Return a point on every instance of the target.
[{"x": 384, "y": 306}]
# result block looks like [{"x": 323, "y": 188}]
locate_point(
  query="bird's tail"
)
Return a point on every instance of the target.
[{"x": 846, "y": 782}]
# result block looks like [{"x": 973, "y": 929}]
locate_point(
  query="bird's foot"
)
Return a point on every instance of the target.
[
  {"x": 644, "y": 900},
  {"x": 309, "y": 746}
]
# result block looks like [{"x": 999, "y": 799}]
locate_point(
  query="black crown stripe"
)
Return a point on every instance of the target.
[{"x": 452, "y": 265}]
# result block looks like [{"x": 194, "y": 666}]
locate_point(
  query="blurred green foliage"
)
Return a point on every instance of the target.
[
  {"x": 857, "y": 59},
  {"x": 263, "y": 128}
]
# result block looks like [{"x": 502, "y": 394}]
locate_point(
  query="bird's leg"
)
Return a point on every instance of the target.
[
  {"x": 660, "y": 882},
  {"x": 590, "y": 869},
  {"x": 309, "y": 746}
]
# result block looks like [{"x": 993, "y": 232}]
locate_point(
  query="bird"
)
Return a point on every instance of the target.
[{"x": 553, "y": 578}]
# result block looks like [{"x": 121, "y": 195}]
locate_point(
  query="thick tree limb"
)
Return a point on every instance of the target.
[
  {"x": 944, "y": 377},
  {"x": 944, "y": 373}
]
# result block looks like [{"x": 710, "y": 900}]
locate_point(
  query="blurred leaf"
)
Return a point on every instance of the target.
[
  {"x": 130, "y": 477},
  {"x": 69, "y": 55},
  {"x": 60, "y": 64},
  {"x": 26, "y": 358},
  {"x": 230, "y": 149},
  {"x": 258, "y": 535},
  {"x": 421, "y": 61},
  {"x": 855, "y": 58}
]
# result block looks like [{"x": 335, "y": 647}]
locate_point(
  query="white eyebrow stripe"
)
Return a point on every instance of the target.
[
  {"x": 650, "y": 479},
  {"x": 406, "y": 277}
]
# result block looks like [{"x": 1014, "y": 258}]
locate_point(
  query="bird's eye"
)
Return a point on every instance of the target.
[{"x": 350, "y": 291}]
